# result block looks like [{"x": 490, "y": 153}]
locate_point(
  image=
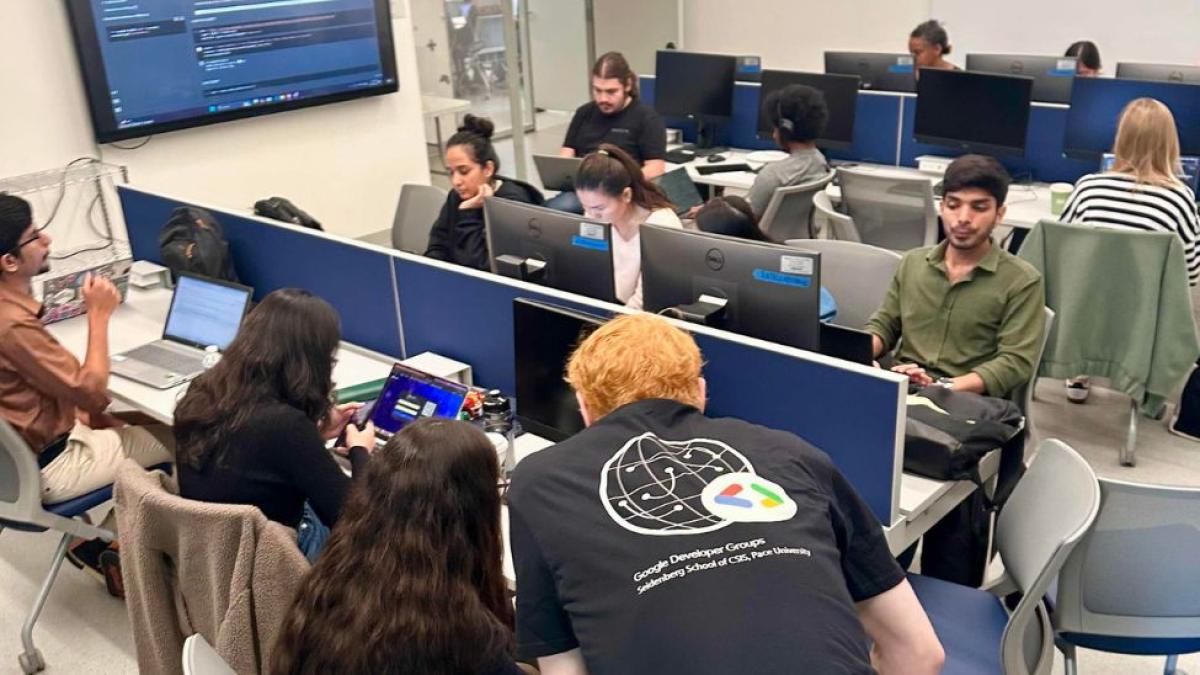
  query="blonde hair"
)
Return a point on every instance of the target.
[
  {"x": 1147, "y": 143},
  {"x": 636, "y": 357}
]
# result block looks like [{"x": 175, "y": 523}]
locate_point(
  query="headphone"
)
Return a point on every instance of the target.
[{"x": 782, "y": 122}]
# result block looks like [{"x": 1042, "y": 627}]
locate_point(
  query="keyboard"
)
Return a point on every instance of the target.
[
  {"x": 680, "y": 156},
  {"x": 705, "y": 170},
  {"x": 166, "y": 358}
]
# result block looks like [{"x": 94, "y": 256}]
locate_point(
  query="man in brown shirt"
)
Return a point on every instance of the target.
[{"x": 55, "y": 403}]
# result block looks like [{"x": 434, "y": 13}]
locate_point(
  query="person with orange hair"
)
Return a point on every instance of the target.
[{"x": 660, "y": 540}]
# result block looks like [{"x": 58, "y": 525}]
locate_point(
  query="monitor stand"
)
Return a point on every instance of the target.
[
  {"x": 705, "y": 135},
  {"x": 525, "y": 269},
  {"x": 707, "y": 311}
]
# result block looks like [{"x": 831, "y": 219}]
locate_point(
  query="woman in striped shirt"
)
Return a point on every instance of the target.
[{"x": 1141, "y": 190}]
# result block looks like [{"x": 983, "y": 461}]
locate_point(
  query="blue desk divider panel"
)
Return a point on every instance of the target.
[
  {"x": 356, "y": 279},
  {"x": 1043, "y": 159},
  {"x": 847, "y": 413}
]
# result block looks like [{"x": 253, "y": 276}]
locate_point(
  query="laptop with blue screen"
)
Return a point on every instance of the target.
[
  {"x": 409, "y": 395},
  {"x": 203, "y": 312}
]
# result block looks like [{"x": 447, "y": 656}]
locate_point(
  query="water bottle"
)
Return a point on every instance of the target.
[
  {"x": 212, "y": 355},
  {"x": 498, "y": 418}
]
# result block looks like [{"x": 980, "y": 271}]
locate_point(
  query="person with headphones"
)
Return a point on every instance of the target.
[{"x": 798, "y": 116}]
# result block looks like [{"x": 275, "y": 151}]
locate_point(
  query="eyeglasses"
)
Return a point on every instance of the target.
[{"x": 37, "y": 234}]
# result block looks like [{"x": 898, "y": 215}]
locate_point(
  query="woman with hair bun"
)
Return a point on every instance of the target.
[
  {"x": 929, "y": 45},
  {"x": 458, "y": 235}
]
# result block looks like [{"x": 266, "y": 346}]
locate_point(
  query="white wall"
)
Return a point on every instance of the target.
[
  {"x": 343, "y": 163},
  {"x": 636, "y": 28},
  {"x": 794, "y": 34},
  {"x": 1164, "y": 31}
]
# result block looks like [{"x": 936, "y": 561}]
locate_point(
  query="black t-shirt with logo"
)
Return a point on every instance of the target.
[
  {"x": 662, "y": 541},
  {"x": 636, "y": 129}
]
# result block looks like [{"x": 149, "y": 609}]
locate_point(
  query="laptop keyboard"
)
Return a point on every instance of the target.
[{"x": 166, "y": 358}]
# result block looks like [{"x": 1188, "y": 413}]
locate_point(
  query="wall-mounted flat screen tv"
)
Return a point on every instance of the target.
[{"x": 151, "y": 66}]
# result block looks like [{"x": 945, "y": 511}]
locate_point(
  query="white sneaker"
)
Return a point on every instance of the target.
[{"x": 1078, "y": 389}]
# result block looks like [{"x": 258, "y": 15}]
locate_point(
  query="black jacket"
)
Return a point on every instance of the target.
[{"x": 458, "y": 235}]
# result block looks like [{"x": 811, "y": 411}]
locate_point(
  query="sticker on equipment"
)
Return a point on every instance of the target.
[
  {"x": 795, "y": 264},
  {"x": 591, "y": 231}
]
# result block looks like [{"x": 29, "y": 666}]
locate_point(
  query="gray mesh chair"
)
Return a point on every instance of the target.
[
  {"x": 1023, "y": 395},
  {"x": 890, "y": 212},
  {"x": 21, "y": 510},
  {"x": 857, "y": 275},
  {"x": 199, "y": 658},
  {"x": 415, "y": 213},
  {"x": 1050, "y": 510},
  {"x": 831, "y": 223},
  {"x": 1132, "y": 586},
  {"x": 789, "y": 214}
]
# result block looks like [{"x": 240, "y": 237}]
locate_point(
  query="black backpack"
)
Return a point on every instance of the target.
[
  {"x": 192, "y": 241},
  {"x": 278, "y": 208}
]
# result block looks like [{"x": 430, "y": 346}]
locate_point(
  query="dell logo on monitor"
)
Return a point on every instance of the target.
[
  {"x": 714, "y": 259},
  {"x": 535, "y": 228}
]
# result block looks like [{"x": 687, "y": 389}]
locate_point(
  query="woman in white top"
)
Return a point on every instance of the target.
[
  {"x": 1142, "y": 191},
  {"x": 612, "y": 189}
]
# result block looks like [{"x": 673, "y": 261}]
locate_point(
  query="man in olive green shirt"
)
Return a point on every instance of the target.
[{"x": 971, "y": 314}]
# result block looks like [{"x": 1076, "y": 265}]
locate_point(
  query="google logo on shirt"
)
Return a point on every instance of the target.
[{"x": 729, "y": 496}]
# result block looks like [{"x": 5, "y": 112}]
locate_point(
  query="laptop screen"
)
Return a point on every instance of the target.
[
  {"x": 409, "y": 395},
  {"x": 206, "y": 312}
]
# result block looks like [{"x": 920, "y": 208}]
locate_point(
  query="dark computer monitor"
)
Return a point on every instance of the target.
[
  {"x": 1159, "y": 72},
  {"x": 553, "y": 248},
  {"x": 767, "y": 291},
  {"x": 841, "y": 97},
  {"x": 1052, "y": 75},
  {"x": 883, "y": 72},
  {"x": 544, "y": 337},
  {"x": 1097, "y": 102},
  {"x": 848, "y": 344},
  {"x": 973, "y": 112},
  {"x": 689, "y": 84}
]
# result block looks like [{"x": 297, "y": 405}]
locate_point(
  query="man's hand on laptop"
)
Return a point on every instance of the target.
[
  {"x": 100, "y": 295},
  {"x": 916, "y": 374}
]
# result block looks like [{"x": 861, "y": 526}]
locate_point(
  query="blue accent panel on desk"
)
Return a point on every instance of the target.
[
  {"x": 464, "y": 318},
  {"x": 849, "y": 416},
  {"x": 356, "y": 280},
  {"x": 1043, "y": 158},
  {"x": 876, "y": 117}
]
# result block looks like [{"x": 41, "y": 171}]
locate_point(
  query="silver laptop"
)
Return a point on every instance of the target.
[
  {"x": 203, "y": 312},
  {"x": 557, "y": 172}
]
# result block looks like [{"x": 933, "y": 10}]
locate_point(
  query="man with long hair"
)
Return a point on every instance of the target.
[
  {"x": 53, "y": 401},
  {"x": 660, "y": 540},
  {"x": 615, "y": 115}
]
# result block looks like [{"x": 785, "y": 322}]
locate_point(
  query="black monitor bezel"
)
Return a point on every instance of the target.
[
  {"x": 672, "y": 112},
  {"x": 96, "y": 87},
  {"x": 969, "y": 145}
]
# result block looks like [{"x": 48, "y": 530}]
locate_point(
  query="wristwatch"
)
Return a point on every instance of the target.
[{"x": 946, "y": 382}]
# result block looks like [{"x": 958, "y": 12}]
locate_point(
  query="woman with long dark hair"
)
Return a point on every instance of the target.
[
  {"x": 612, "y": 188},
  {"x": 411, "y": 580},
  {"x": 252, "y": 430}
]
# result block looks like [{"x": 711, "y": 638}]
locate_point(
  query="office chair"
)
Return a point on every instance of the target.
[
  {"x": 199, "y": 658},
  {"x": 1130, "y": 587},
  {"x": 1023, "y": 395},
  {"x": 789, "y": 214},
  {"x": 891, "y": 212},
  {"x": 1050, "y": 510},
  {"x": 21, "y": 510},
  {"x": 831, "y": 223},
  {"x": 416, "y": 212},
  {"x": 857, "y": 275}
]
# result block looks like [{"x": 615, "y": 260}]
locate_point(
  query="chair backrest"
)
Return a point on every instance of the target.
[
  {"x": 199, "y": 658},
  {"x": 20, "y": 479},
  {"x": 892, "y": 212},
  {"x": 1049, "y": 511},
  {"x": 1023, "y": 395},
  {"x": 789, "y": 213},
  {"x": 415, "y": 214},
  {"x": 857, "y": 275},
  {"x": 1134, "y": 574},
  {"x": 840, "y": 225}
]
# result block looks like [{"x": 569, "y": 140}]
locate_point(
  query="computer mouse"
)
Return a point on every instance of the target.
[{"x": 713, "y": 159}]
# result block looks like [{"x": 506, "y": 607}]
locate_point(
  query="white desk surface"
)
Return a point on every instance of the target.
[
  {"x": 140, "y": 319},
  {"x": 439, "y": 105},
  {"x": 1027, "y": 204}
]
